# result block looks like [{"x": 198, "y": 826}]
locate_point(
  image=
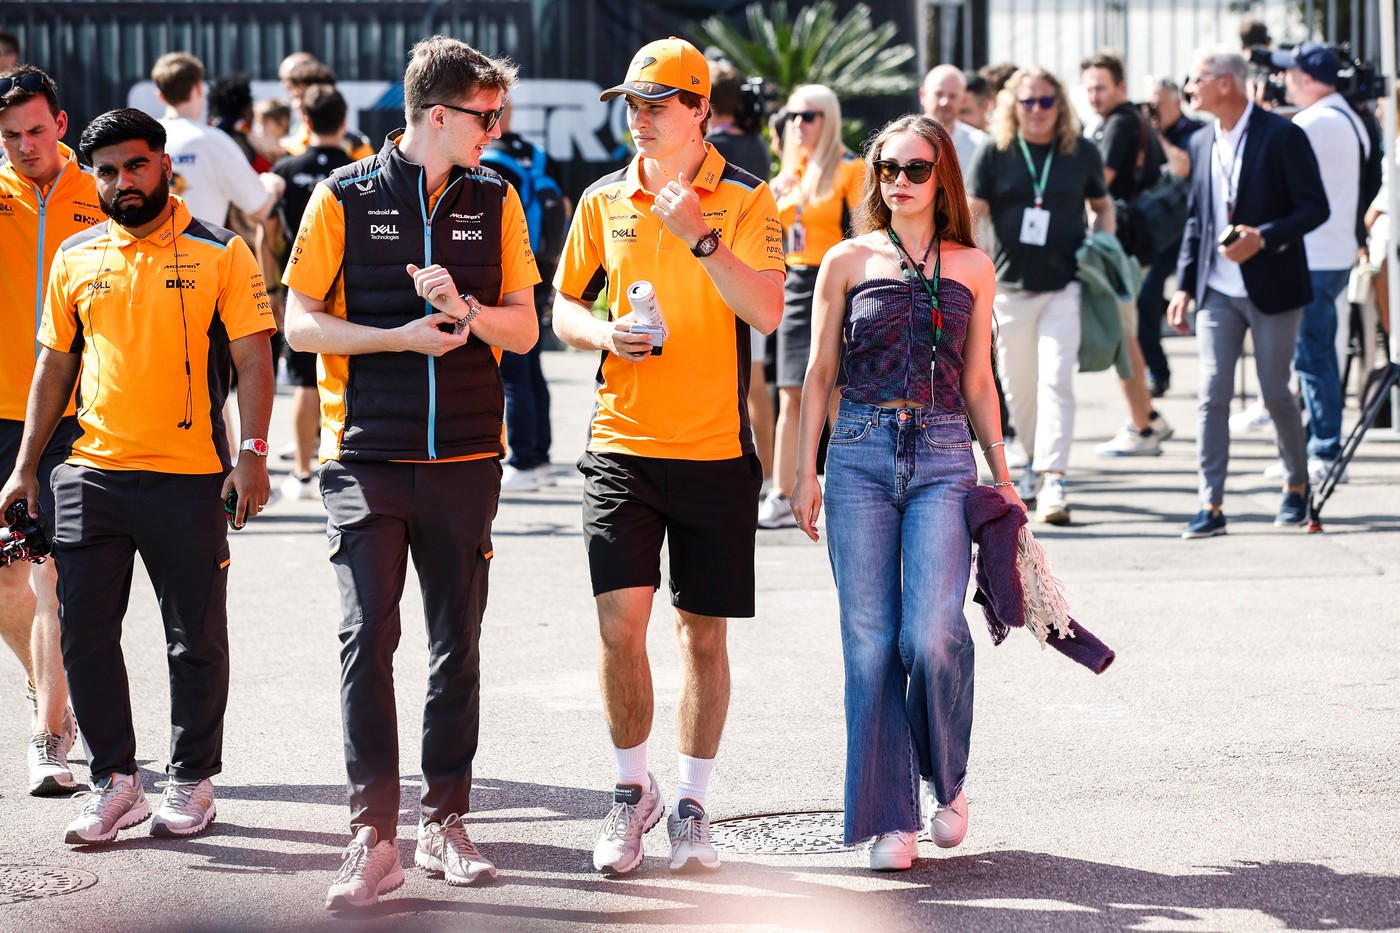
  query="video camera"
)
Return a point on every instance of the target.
[
  {"x": 757, "y": 99},
  {"x": 1358, "y": 81},
  {"x": 23, "y": 538}
]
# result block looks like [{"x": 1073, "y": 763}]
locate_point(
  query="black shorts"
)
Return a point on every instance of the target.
[
  {"x": 706, "y": 510},
  {"x": 60, "y": 445},
  {"x": 301, "y": 367}
]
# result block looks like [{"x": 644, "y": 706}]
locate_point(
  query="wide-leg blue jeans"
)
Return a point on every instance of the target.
[{"x": 896, "y": 483}]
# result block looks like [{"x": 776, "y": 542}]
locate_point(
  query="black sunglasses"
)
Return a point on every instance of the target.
[
  {"x": 917, "y": 171},
  {"x": 492, "y": 117},
  {"x": 31, "y": 83},
  {"x": 806, "y": 116},
  {"x": 1044, "y": 103}
]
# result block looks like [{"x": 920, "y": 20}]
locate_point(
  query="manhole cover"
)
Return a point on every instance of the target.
[
  {"x": 782, "y": 833},
  {"x": 30, "y": 882}
]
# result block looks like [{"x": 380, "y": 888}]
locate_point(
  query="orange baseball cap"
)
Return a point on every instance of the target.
[{"x": 662, "y": 69}]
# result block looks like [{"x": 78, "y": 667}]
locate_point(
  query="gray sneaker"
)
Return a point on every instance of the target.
[
  {"x": 445, "y": 847},
  {"x": 116, "y": 803},
  {"x": 49, "y": 774},
  {"x": 619, "y": 847},
  {"x": 370, "y": 868},
  {"x": 185, "y": 808},
  {"x": 689, "y": 829}
]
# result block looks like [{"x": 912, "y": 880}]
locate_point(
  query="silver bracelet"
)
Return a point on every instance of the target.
[
  {"x": 990, "y": 446},
  {"x": 1007, "y": 483}
]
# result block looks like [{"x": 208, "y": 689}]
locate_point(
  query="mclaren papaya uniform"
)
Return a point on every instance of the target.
[
  {"x": 152, "y": 319},
  {"x": 671, "y": 453},
  {"x": 410, "y": 450},
  {"x": 33, "y": 221}
]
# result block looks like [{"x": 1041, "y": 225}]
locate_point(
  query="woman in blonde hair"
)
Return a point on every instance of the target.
[
  {"x": 910, "y": 299},
  {"x": 1034, "y": 178},
  {"x": 817, "y": 187}
]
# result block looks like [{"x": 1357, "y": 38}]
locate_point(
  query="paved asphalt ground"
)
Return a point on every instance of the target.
[{"x": 1235, "y": 770}]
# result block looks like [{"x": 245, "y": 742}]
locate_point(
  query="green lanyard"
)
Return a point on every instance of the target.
[
  {"x": 1039, "y": 186},
  {"x": 931, "y": 289}
]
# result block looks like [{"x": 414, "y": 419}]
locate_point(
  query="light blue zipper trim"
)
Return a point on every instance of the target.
[
  {"x": 39, "y": 259},
  {"x": 428, "y": 305}
]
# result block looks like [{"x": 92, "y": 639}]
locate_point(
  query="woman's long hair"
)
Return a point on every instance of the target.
[
  {"x": 951, "y": 218},
  {"x": 1006, "y": 118},
  {"x": 824, "y": 158}
]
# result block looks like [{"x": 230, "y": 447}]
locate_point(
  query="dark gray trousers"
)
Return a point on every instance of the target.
[
  {"x": 380, "y": 514},
  {"x": 103, "y": 519}
]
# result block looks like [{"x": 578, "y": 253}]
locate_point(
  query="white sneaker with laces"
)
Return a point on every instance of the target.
[
  {"x": 300, "y": 488},
  {"x": 948, "y": 825},
  {"x": 445, "y": 847},
  {"x": 116, "y": 803},
  {"x": 619, "y": 846},
  {"x": 1129, "y": 442},
  {"x": 776, "y": 512},
  {"x": 1254, "y": 419},
  {"x": 1052, "y": 504},
  {"x": 370, "y": 868},
  {"x": 689, "y": 829},
  {"x": 49, "y": 773},
  {"x": 893, "y": 852},
  {"x": 513, "y": 480},
  {"x": 186, "y": 808}
]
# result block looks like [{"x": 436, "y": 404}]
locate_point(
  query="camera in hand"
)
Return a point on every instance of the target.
[{"x": 23, "y": 538}]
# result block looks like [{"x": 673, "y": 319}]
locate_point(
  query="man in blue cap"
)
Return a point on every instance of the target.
[{"x": 1339, "y": 140}]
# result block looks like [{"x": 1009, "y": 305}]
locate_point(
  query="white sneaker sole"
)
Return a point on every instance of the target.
[
  {"x": 891, "y": 863},
  {"x": 164, "y": 829},
  {"x": 650, "y": 823},
  {"x": 947, "y": 842},
  {"x": 432, "y": 863},
  {"x": 139, "y": 813},
  {"x": 345, "y": 900}
]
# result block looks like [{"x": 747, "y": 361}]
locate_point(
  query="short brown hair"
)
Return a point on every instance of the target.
[
  {"x": 1108, "y": 61},
  {"x": 18, "y": 95},
  {"x": 445, "y": 70},
  {"x": 325, "y": 109},
  {"x": 725, "y": 96},
  {"x": 176, "y": 74},
  {"x": 305, "y": 74}
]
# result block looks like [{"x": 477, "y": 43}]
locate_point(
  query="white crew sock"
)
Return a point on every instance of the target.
[
  {"x": 693, "y": 778},
  {"x": 632, "y": 765}
]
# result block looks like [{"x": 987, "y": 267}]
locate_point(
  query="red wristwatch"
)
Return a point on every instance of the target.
[{"x": 256, "y": 444}]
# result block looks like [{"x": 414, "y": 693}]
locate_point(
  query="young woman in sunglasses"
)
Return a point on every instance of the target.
[
  {"x": 910, "y": 298},
  {"x": 817, "y": 187},
  {"x": 1034, "y": 178}
]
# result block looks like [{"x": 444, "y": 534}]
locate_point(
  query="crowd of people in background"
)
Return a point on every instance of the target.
[{"x": 940, "y": 287}]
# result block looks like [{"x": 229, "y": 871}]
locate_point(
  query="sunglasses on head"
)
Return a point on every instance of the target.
[
  {"x": 806, "y": 116},
  {"x": 31, "y": 83},
  {"x": 1044, "y": 103},
  {"x": 917, "y": 171},
  {"x": 489, "y": 117}
]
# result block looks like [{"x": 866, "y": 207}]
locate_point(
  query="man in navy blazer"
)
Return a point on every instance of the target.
[{"x": 1255, "y": 191}]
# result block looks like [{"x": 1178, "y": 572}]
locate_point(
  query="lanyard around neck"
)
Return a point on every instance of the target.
[
  {"x": 1038, "y": 186},
  {"x": 1232, "y": 174},
  {"x": 932, "y": 289}
]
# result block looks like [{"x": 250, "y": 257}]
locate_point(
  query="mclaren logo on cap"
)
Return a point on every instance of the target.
[{"x": 649, "y": 60}]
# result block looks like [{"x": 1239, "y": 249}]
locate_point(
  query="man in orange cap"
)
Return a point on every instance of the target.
[{"x": 671, "y": 456}]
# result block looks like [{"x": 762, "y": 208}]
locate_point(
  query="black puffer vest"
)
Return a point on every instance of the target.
[{"x": 408, "y": 406}]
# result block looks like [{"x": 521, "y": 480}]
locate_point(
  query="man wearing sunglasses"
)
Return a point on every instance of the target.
[
  {"x": 411, "y": 272},
  {"x": 45, "y": 197}
]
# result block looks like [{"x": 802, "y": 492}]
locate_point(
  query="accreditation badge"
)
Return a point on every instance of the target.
[{"x": 1035, "y": 226}]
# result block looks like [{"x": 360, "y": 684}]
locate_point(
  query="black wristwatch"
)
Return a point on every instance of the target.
[{"x": 707, "y": 245}]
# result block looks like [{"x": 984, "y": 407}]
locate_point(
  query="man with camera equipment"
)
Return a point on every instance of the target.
[
  {"x": 670, "y": 455},
  {"x": 156, "y": 307},
  {"x": 1255, "y": 192},
  {"x": 412, "y": 270},
  {"x": 1341, "y": 145},
  {"x": 45, "y": 197}
]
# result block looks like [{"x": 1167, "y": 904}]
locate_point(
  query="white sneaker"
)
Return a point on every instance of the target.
[
  {"x": 776, "y": 512},
  {"x": 370, "y": 868},
  {"x": 513, "y": 480},
  {"x": 445, "y": 847},
  {"x": 893, "y": 852},
  {"x": 114, "y": 804},
  {"x": 1052, "y": 504},
  {"x": 1161, "y": 427},
  {"x": 1319, "y": 468},
  {"x": 1254, "y": 419},
  {"x": 1274, "y": 470},
  {"x": 1129, "y": 442},
  {"x": 49, "y": 773},
  {"x": 948, "y": 825},
  {"x": 300, "y": 488},
  {"x": 689, "y": 829},
  {"x": 186, "y": 808},
  {"x": 619, "y": 846}
]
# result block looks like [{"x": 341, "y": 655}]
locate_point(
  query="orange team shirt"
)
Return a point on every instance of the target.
[
  {"x": 315, "y": 272},
  {"x": 689, "y": 402},
  {"x": 824, "y": 222},
  {"x": 132, "y": 308},
  {"x": 33, "y": 222}
]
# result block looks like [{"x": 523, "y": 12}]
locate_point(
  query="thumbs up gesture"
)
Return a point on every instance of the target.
[{"x": 678, "y": 206}]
